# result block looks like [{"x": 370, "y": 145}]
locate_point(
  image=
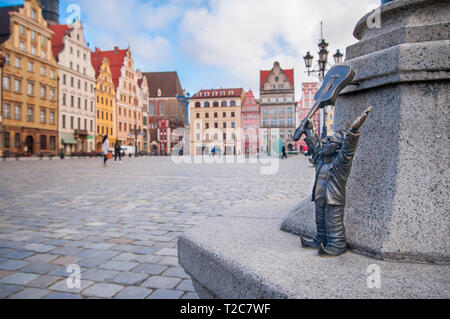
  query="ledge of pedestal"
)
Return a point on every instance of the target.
[{"x": 244, "y": 254}]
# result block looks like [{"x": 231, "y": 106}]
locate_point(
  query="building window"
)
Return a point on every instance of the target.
[
  {"x": 33, "y": 50},
  {"x": 281, "y": 111},
  {"x": 42, "y": 71},
  {"x": 224, "y": 103},
  {"x": 30, "y": 88},
  {"x": 216, "y": 104},
  {"x": 30, "y": 114},
  {"x": 43, "y": 54},
  {"x": 79, "y": 123},
  {"x": 216, "y": 125},
  {"x": 17, "y": 85},
  {"x": 92, "y": 126},
  {"x": 52, "y": 143},
  {"x": 22, "y": 30},
  {"x": 206, "y": 104},
  {"x": 64, "y": 121},
  {"x": 17, "y": 112},
  {"x": 17, "y": 62},
  {"x": 30, "y": 67},
  {"x": 43, "y": 142},
  {"x": 6, "y": 140},
  {"x": 224, "y": 125},
  {"x": 224, "y": 114},
  {"x": 7, "y": 59},
  {"x": 7, "y": 111},
  {"x": 233, "y": 103},
  {"x": 52, "y": 118},
  {"x": 290, "y": 121},
  {"x": 197, "y": 115},
  {"x": 52, "y": 94},
  {"x": 17, "y": 140},
  {"x": 43, "y": 39},
  {"x": 281, "y": 121},
  {"x": 265, "y": 121},
  {"x": 71, "y": 122},
  {"x": 273, "y": 121},
  {"x": 233, "y": 125},
  {"x": 22, "y": 46},
  {"x": 52, "y": 74},
  {"x": 33, "y": 14},
  {"x": 232, "y": 114},
  {"x": 43, "y": 92},
  {"x": 6, "y": 83},
  {"x": 43, "y": 116}
]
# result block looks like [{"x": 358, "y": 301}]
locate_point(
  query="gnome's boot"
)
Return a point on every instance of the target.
[
  {"x": 320, "y": 237},
  {"x": 336, "y": 243}
]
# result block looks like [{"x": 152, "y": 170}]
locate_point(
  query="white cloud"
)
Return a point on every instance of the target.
[{"x": 244, "y": 36}]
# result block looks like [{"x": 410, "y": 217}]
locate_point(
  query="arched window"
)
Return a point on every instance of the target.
[
  {"x": 197, "y": 104},
  {"x": 224, "y": 103},
  {"x": 206, "y": 104},
  {"x": 216, "y": 104},
  {"x": 233, "y": 103}
]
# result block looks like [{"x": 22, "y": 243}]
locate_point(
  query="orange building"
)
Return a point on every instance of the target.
[{"x": 30, "y": 88}]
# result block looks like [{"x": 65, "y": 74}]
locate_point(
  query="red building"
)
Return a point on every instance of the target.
[{"x": 309, "y": 90}]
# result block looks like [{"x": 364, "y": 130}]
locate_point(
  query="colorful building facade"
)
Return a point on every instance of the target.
[
  {"x": 30, "y": 89},
  {"x": 166, "y": 110},
  {"x": 215, "y": 121},
  {"x": 129, "y": 109},
  {"x": 250, "y": 124},
  {"x": 106, "y": 109},
  {"x": 277, "y": 105},
  {"x": 76, "y": 89}
]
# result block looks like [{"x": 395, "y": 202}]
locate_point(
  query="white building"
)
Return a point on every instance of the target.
[{"x": 76, "y": 105}]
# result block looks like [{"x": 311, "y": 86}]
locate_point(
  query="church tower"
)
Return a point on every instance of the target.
[{"x": 50, "y": 11}]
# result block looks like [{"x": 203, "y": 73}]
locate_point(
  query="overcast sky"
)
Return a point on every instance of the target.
[{"x": 218, "y": 43}]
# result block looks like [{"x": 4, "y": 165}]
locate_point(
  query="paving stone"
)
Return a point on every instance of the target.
[
  {"x": 6, "y": 273},
  {"x": 167, "y": 252},
  {"x": 120, "y": 241},
  {"x": 103, "y": 290},
  {"x": 170, "y": 261},
  {"x": 61, "y": 295},
  {"x": 165, "y": 294},
  {"x": 30, "y": 293},
  {"x": 141, "y": 250},
  {"x": 129, "y": 278},
  {"x": 137, "y": 236},
  {"x": 43, "y": 281},
  {"x": 61, "y": 272},
  {"x": 42, "y": 258},
  {"x": 13, "y": 264},
  {"x": 190, "y": 295},
  {"x": 40, "y": 248},
  {"x": 133, "y": 293},
  {"x": 65, "y": 261},
  {"x": 6, "y": 290},
  {"x": 148, "y": 259},
  {"x": 106, "y": 254},
  {"x": 14, "y": 254},
  {"x": 186, "y": 285},
  {"x": 176, "y": 272},
  {"x": 118, "y": 265},
  {"x": 63, "y": 286},
  {"x": 39, "y": 268},
  {"x": 103, "y": 246},
  {"x": 125, "y": 257},
  {"x": 161, "y": 282},
  {"x": 91, "y": 262},
  {"x": 18, "y": 279},
  {"x": 99, "y": 275},
  {"x": 150, "y": 269}
]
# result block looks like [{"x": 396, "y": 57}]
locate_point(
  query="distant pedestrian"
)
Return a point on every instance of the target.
[
  {"x": 105, "y": 149},
  {"x": 117, "y": 152},
  {"x": 284, "y": 152}
]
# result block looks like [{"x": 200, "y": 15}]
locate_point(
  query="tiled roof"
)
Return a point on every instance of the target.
[
  {"x": 289, "y": 73},
  {"x": 116, "y": 59},
  {"x": 60, "y": 30},
  {"x": 220, "y": 93},
  {"x": 167, "y": 82},
  {"x": 5, "y": 29}
]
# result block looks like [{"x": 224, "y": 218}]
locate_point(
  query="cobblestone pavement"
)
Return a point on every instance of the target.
[{"x": 120, "y": 224}]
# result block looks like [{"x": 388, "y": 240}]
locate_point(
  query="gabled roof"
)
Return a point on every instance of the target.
[
  {"x": 5, "y": 29},
  {"x": 60, "y": 30},
  {"x": 167, "y": 82},
  {"x": 209, "y": 94},
  {"x": 248, "y": 96},
  {"x": 116, "y": 59},
  {"x": 289, "y": 74}
]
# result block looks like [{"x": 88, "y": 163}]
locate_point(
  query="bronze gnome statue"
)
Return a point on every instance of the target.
[{"x": 333, "y": 159}]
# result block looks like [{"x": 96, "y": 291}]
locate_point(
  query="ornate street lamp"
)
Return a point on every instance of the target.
[
  {"x": 338, "y": 57},
  {"x": 322, "y": 64}
]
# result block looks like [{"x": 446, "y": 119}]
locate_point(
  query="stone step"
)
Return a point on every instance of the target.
[{"x": 244, "y": 254}]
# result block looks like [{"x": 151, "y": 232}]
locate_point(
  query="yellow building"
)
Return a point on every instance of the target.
[
  {"x": 215, "y": 117},
  {"x": 106, "y": 110},
  {"x": 30, "y": 88}
]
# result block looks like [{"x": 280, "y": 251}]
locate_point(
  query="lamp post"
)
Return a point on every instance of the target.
[
  {"x": 322, "y": 64},
  {"x": 2, "y": 64}
]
